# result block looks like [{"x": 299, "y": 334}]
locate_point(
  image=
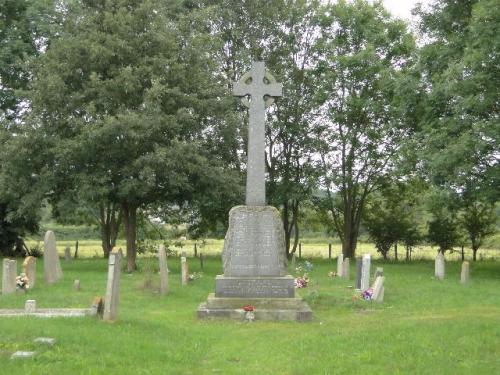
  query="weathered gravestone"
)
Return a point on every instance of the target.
[
  {"x": 345, "y": 268},
  {"x": 29, "y": 269},
  {"x": 51, "y": 265},
  {"x": 184, "y": 271},
  {"x": 464, "y": 275},
  {"x": 365, "y": 272},
  {"x": 67, "y": 254},
  {"x": 162, "y": 259},
  {"x": 9, "y": 273},
  {"x": 76, "y": 285},
  {"x": 30, "y": 306},
  {"x": 359, "y": 268},
  {"x": 113, "y": 286},
  {"x": 439, "y": 267},
  {"x": 255, "y": 266},
  {"x": 340, "y": 264},
  {"x": 378, "y": 289},
  {"x": 378, "y": 272}
]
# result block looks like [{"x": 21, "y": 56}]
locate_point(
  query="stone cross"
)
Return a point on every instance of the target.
[
  {"x": 51, "y": 265},
  {"x": 439, "y": 267},
  {"x": 261, "y": 87},
  {"x": 162, "y": 259},
  {"x": 464, "y": 275},
  {"x": 29, "y": 269},
  {"x": 9, "y": 273},
  {"x": 113, "y": 286},
  {"x": 365, "y": 272}
]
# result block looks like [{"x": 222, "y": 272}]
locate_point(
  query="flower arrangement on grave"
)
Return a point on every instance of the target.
[
  {"x": 22, "y": 281},
  {"x": 195, "y": 276},
  {"x": 332, "y": 274},
  {"x": 301, "y": 281},
  {"x": 249, "y": 308},
  {"x": 367, "y": 294},
  {"x": 249, "y": 312}
]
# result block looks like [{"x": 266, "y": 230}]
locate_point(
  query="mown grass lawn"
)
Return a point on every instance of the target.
[{"x": 423, "y": 327}]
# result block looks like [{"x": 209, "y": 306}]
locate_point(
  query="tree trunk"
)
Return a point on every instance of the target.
[
  {"x": 350, "y": 236},
  {"x": 474, "y": 252},
  {"x": 109, "y": 222},
  {"x": 396, "y": 250},
  {"x": 463, "y": 255},
  {"x": 130, "y": 223}
]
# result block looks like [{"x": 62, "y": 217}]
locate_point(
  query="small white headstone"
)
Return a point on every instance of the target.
[
  {"x": 30, "y": 306},
  {"x": 67, "y": 254},
  {"x": 29, "y": 269},
  {"x": 9, "y": 274},
  {"x": 340, "y": 265},
  {"x": 184, "y": 271},
  {"x": 51, "y": 265},
  {"x": 345, "y": 268},
  {"x": 45, "y": 340},
  {"x": 22, "y": 355},
  {"x": 439, "y": 267},
  {"x": 76, "y": 285},
  {"x": 464, "y": 275},
  {"x": 365, "y": 272},
  {"x": 113, "y": 286}
]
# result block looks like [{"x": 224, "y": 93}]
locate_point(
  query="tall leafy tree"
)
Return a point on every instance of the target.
[
  {"x": 460, "y": 71},
  {"x": 363, "y": 55},
  {"x": 122, "y": 98}
]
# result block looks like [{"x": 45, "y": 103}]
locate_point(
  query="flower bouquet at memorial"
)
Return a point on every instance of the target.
[
  {"x": 22, "y": 282},
  {"x": 332, "y": 274},
  {"x": 301, "y": 281}
]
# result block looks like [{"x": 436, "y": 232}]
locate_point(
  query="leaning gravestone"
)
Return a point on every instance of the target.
[
  {"x": 255, "y": 266},
  {"x": 29, "y": 269},
  {"x": 9, "y": 273},
  {"x": 113, "y": 286},
  {"x": 464, "y": 275},
  {"x": 378, "y": 272},
  {"x": 378, "y": 289},
  {"x": 51, "y": 265},
  {"x": 439, "y": 267},
  {"x": 345, "y": 268},
  {"x": 340, "y": 264},
  {"x": 162, "y": 259},
  {"x": 365, "y": 272}
]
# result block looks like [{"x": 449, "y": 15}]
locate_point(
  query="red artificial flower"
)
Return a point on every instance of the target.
[{"x": 248, "y": 308}]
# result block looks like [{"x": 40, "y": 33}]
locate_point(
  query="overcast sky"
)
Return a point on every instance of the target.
[{"x": 402, "y": 8}]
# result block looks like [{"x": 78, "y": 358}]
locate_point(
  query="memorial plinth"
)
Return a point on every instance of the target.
[{"x": 255, "y": 272}]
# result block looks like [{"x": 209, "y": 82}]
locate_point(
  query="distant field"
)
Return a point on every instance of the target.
[{"x": 311, "y": 248}]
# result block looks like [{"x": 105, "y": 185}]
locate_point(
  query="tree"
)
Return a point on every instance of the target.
[
  {"x": 123, "y": 97},
  {"x": 391, "y": 216},
  {"x": 362, "y": 59},
  {"x": 478, "y": 219},
  {"x": 443, "y": 227},
  {"x": 460, "y": 74}
]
